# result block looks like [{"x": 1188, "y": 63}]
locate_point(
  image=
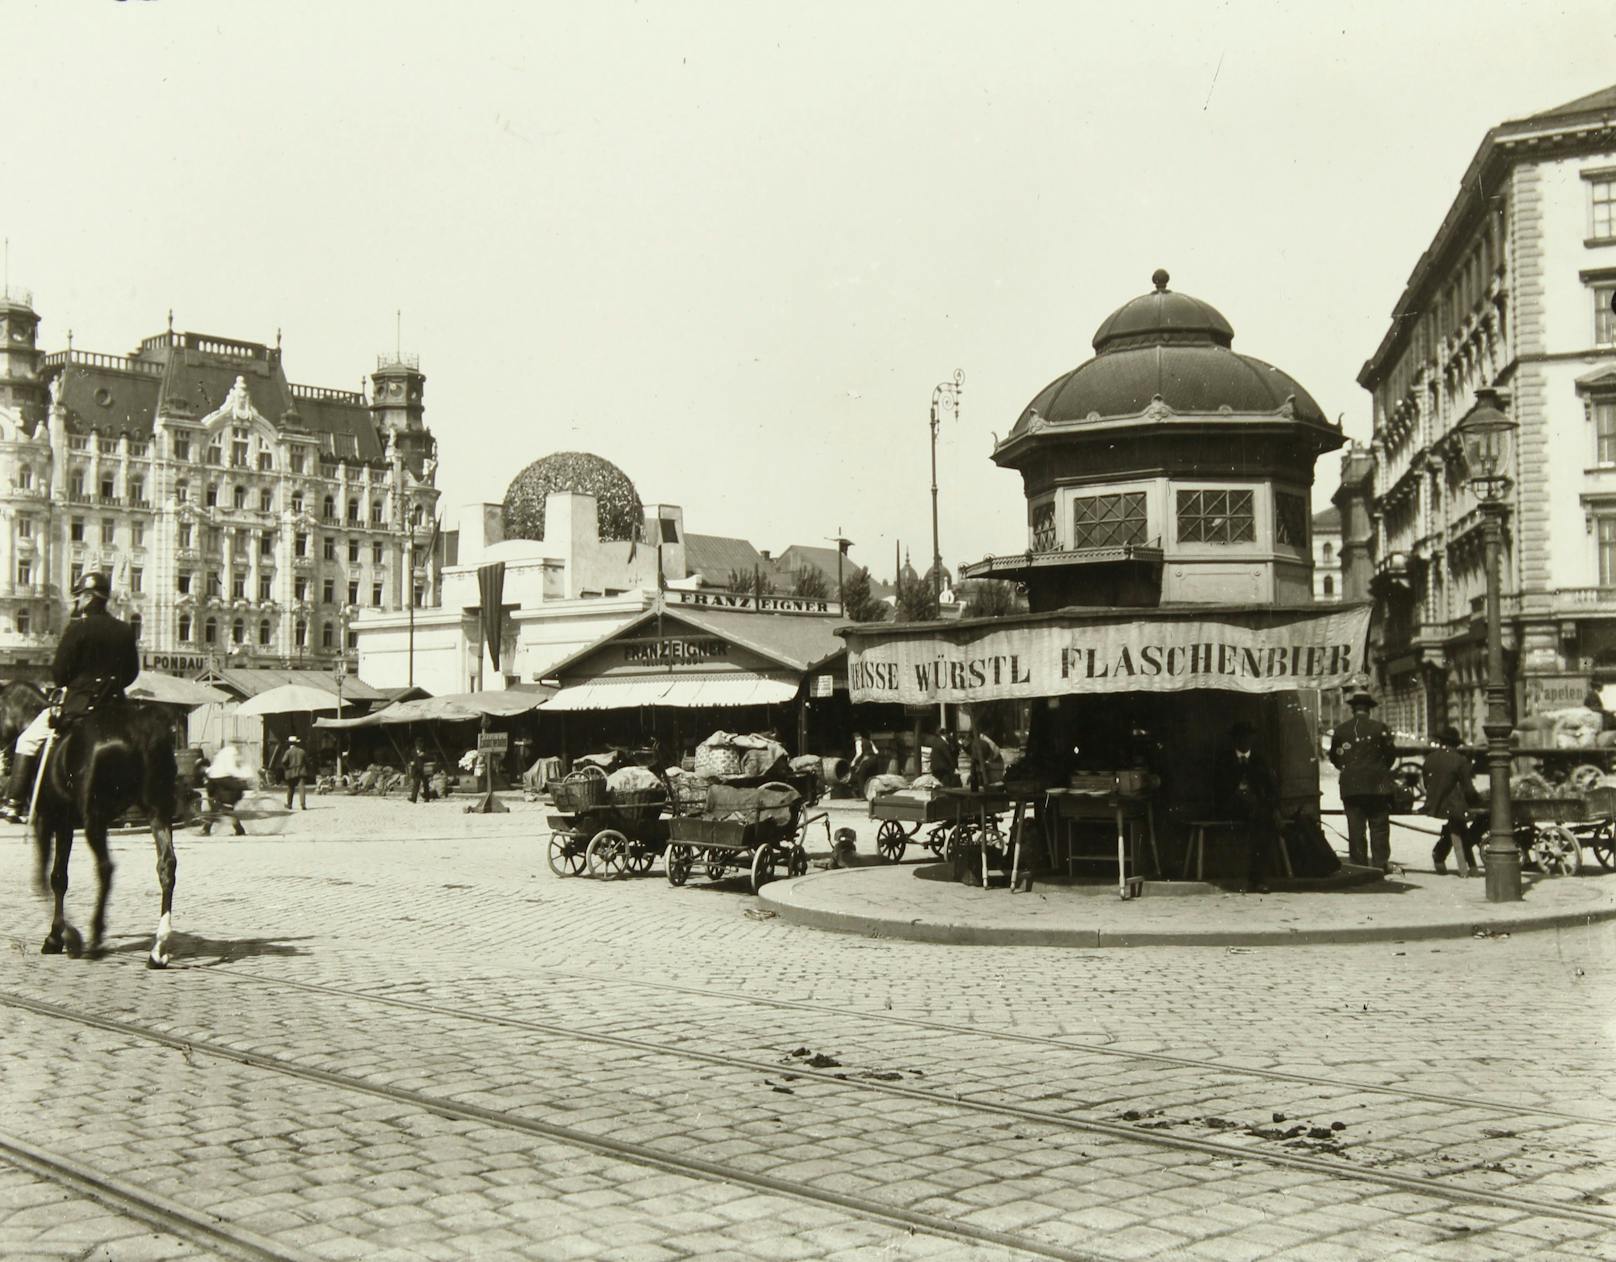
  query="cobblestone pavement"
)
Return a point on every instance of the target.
[{"x": 391, "y": 1032}]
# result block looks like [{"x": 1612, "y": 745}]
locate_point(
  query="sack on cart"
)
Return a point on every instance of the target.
[{"x": 769, "y": 804}]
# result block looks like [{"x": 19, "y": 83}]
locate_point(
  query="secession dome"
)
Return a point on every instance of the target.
[
  {"x": 1168, "y": 345},
  {"x": 618, "y": 508}
]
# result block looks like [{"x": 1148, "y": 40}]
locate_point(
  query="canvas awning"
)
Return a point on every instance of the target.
[
  {"x": 151, "y": 685},
  {"x": 738, "y": 688},
  {"x": 1077, "y": 651}
]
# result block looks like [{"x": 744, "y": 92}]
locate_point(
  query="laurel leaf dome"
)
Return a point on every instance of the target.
[{"x": 618, "y": 509}]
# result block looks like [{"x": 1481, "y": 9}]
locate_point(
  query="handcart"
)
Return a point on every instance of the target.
[
  {"x": 955, "y": 819},
  {"x": 608, "y": 839},
  {"x": 1553, "y": 830},
  {"x": 747, "y": 827}
]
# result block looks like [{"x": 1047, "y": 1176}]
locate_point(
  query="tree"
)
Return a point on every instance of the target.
[
  {"x": 917, "y": 601},
  {"x": 754, "y": 582},
  {"x": 811, "y": 584},
  {"x": 858, "y": 603},
  {"x": 991, "y": 598}
]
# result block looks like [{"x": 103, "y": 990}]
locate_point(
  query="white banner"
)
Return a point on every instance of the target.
[{"x": 1260, "y": 651}]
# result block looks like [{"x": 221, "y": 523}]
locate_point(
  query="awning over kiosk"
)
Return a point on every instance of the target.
[
  {"x": 1074, "y": 651},
  {"x": 735, "y": 688}
]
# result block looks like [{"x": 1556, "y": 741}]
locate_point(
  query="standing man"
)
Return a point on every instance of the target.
[
  {"x": 1361, "y": 749},
  {"x": 1245, "y": 788},
  {"x": 1450, "y": 792},
  {"x": 96, "y": 660},
  {"x": 944, "y": 762},
  {"x": 295, "y": 767},
  {"x": 418, "y": 781}
]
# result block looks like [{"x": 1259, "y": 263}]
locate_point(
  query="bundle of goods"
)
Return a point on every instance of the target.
[
  {"x": 636, "y": 791},
  {"x": 579, "y": 791},
  {"x": 687, "y": 791},
  {"x": 1573, "y": 728},
  {"x": 1530, "y": 786},
  {"x": 880, "y": 786},
  {"x": 770, "y": 805},
  {"x": 733, "y": 754},
  {"x": 810, "y": 765}
]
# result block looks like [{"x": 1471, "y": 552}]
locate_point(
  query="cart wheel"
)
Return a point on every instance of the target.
[
  {"x": 1602, "y": 841},
  {"x": 608, "y": 855},
  {"x": 797, "y": 861},
  {"x": 937, "y": 840},
  {"x": 890, "y": 841},
  {"x": 1585, "y": 776},
  {"x": 767, "y": 864},
  {"x": 566, "y": 856},
  {"x": 680, "y": 860},
  {"x": 716, "y": 867},
  {"x": 640, "y": 857},
  {"x": 1556, "y": 850}
]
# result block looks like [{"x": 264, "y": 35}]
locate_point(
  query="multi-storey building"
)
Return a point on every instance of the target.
[
  {"x": 1514, "y": 291},
  {"x": 1327, "y": 555},
  {"x": 244, "y": 519}
]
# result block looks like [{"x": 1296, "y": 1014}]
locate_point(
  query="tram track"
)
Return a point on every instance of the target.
[
  {"x": 205, "y": 1230},
  {"x": 1240, "y": 1153}
]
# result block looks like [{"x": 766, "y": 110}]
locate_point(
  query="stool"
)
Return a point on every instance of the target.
[{"x": 1195, "y": 851}]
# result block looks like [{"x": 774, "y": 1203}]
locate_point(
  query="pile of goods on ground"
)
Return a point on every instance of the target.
[{"x": 1573, "y": 728}]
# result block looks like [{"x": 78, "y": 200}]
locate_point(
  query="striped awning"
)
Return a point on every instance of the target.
[{"x": 681, "y": 692}]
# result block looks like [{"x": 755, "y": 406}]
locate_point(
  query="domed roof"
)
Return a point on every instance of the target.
[
  {"x": 618, "y": 510},
  {"x": 1173, "y": 347}
]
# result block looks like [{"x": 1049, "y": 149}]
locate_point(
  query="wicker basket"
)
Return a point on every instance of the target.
[
  {"x": 580, "y": 791},
  {"x": 689, "y": 797},
  {"x": 713, "y": 761},
  {"x": 639, "y": 806}
]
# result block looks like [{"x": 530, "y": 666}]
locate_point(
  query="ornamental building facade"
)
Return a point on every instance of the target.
[
  {"x": 245, "y": 520},
  {"x": 1514, "y": 291}
]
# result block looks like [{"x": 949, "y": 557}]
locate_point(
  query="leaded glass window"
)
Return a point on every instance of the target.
[
  {"x": 1216, "y": 517},
  {"x": 1108, "y": 521},
  {"x": 1290, "y": 520},
  {"x": 1043, "y": 528}
]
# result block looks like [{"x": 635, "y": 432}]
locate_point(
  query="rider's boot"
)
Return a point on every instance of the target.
[{"x": 18, "y": 789}]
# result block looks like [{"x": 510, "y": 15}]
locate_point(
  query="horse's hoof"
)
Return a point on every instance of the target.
[
  {"x": 74, "y": 942},
  {"x": 153, "y": 962},
  {"x": 51, "y": 946}
]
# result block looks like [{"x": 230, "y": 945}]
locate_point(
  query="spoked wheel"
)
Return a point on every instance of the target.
[
  {"x": 680, "y": 860},
  {"x": 891, "y": 841},
  {"x": 1603, "y": 843},
  {"x": 1556, "y": 850},
  {"x": 566, "y": 855},
  {"x": 716, "y": 867},
  {"x": 608, "y": 855},
  {"x": 1585, "y": 776},
  {"x": 797, "y": 860},
  {"x": 640, "y": 857},
  {"x": 769, "y": 862}
]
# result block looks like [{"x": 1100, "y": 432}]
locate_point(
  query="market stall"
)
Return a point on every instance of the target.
[{"x": 1130, "y": 706}]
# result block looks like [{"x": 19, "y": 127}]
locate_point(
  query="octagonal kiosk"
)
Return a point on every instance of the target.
[{"x": 1168, "y": 571}]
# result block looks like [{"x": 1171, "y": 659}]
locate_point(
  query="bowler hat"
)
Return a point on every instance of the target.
[{"x": 1448, "y": 736}]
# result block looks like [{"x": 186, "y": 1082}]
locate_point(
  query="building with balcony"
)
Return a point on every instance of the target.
[
  {"x": 1514, "y": 291},
  {"x": 244, "y": 519}
]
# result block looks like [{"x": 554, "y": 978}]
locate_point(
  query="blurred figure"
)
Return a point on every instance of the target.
[
  {"x": 1245, "y": 788},
  {"x": 228, "y": 780},
  {"x": 944, "y": 761},
  {"x": 419, "y": 784},
  {"x": 295, "y": 770},
  {"x": 987, "y": 763},
  {"x": 1450, "y": 795}
]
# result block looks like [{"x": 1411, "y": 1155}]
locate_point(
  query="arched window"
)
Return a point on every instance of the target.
[
  {"x": 182, "y": 490},
  {"x": 329, "y": 509},
  {"x": 210, "y": 631},
  {"x": 1328, "y": 553},
  {"x": 238, "y": 632},
  {"x": 185, "y": 628},
  {"x": 1329, "y": 585},
  {"x": 263, "y": 632}
]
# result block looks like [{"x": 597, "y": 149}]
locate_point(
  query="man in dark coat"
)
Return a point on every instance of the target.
[
  {"x": 1362, "y": 750},
  {"x": 96, "y": 659},
  {"x": 419, "y": 784},
  {"x": 1245, "y": 788},
  {"x": 1450, "y": 793},
  {"x": 944, "y": 762},
  {"x": 295, "y": 770}
]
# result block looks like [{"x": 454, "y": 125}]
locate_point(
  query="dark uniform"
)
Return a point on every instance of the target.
[
  {"x": 97, "y": 656},
  {"x": 1245, "y": 788},
  {"x": 1362, "y": 749},
  {"x": 1450, "y": 795}
]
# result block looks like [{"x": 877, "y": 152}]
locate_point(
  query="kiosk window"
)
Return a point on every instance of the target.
[
  {"x": 1216, "y": 517},
  {"x": 1105, "y": 521}
]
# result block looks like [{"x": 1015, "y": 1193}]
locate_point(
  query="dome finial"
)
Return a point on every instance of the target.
[{"x": 1159, "y": 278}]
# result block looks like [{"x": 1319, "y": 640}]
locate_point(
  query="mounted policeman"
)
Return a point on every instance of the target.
[{"x": 96, "y": 659}]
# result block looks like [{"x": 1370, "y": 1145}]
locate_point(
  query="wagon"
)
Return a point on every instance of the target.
[
  {"x": 759, "y": 829},
  {"x": 955, "y": 819},
  {"x": 607, "y": 838},
  {"x": 1554, "y": 830}
]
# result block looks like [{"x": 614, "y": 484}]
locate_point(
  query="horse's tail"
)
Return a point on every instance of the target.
[{"x": 44, "y": 850}]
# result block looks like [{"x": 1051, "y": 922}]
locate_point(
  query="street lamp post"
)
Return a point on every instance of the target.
[
  {"x": 1487, "y": 433},
  {"x": 946, "y": 395}
]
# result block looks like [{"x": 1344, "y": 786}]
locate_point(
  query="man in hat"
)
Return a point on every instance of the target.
[
  {"x": 1361, "y": 749},
  {"x": 96, "y": 659},
  {"x": 295, "y": 770},
  {"x": 1245, "y": 788},
  {"x": 1450, "y": 793}
]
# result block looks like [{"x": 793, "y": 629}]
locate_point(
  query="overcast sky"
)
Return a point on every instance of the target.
[{"x": 733, "y": 247}]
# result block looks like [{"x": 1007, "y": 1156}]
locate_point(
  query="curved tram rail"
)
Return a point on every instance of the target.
[{"x": 865, "y": 1207}]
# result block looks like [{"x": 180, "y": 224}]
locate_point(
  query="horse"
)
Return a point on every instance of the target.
[
  {"x": 119, "y": 755},
  {"x": 20, "y": 701}
]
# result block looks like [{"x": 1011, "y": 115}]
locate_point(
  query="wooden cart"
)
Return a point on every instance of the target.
[
  {"x": 765, "y": 840},
  {"x": 608, "y": 839},
  {"x": 954, "y": 818}
]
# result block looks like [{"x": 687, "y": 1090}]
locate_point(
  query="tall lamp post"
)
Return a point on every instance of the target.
[
  {"x": 1487, "y": 434},
  {"x": 945, "y": 397}
]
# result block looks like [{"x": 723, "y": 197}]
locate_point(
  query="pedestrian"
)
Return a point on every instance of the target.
[
  {"x": 1450, "y": 795},
  {"x": 944, "y": 761},
  {"x": 419, "y": 784},
  {"x": 987, "y": 763},
  {"x": 1245, "y": 788},
  {"x": 227, "y": 781},
  {"x": 295, "y": 767},
  {"x": 1361, "y": 749},
  {"x": 866, "y": 762}
]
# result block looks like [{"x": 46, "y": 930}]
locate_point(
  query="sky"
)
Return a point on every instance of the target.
[{"x": 733, "y": 247}]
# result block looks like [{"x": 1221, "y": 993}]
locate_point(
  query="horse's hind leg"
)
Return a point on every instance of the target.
[
  {"x": 62, "y": 935},
  {"x": 167, "y": 867},
  {"x": 96, "y": 834}
]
